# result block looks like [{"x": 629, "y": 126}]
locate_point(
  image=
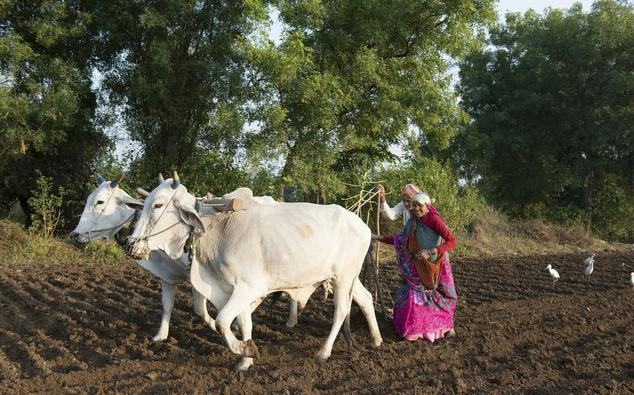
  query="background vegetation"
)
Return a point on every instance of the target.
[{"x": 540, "y": 125}]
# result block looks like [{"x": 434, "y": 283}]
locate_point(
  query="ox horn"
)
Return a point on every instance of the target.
[
  {"x": 177, "y": 180},
  {"x": 100, "y": 179},
  {"x": 160, "y": 178},
  {"x": 116, "y": 182},
  {"x": 142, "y": 192}
]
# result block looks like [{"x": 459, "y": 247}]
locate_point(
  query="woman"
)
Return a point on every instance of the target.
[
  {"x": 403, "y": 208},
  {"x": 421, "y": 311}
]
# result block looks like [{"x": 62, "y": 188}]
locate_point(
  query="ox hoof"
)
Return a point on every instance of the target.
[
  {"x": 159, "y": 337},
  {"x": 321, "y": 357},
  {"x": 377, "y": 342},
  {"x": 290, "y": 324},
  {"x": 249, "y": 349},
  {"x": 352, "y": 346},
  {"x": 244, "y": 364}
]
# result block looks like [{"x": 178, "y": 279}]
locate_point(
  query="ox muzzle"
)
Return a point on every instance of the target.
[
  {"x": 79, "y": 240},
  {"x": 136, "y": 248}
]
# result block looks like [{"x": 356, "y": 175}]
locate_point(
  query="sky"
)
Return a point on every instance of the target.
[{"x": 505, "y": 6}]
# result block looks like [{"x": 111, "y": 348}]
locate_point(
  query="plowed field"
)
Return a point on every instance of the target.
[{"x": 86, "y": 330}]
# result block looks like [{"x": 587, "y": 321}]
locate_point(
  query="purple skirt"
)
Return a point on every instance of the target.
[{"x": 420, "y": 312}]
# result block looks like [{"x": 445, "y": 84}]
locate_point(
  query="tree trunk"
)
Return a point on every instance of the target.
[
  {"x": 286, "y": 171},
  {"x": 587, "y": 201},
  {"x": 629, "y": 174},
  {"x": 28, "y": 211}
]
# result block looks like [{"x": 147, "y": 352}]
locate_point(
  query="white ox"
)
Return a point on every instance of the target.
[
  {"x": 109, "y": 209},
  {"x": 243, "y": 256}
]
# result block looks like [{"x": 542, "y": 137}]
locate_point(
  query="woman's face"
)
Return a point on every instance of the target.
[
  {"x": 407, "y": 202},
  {"x": 420, "y": 209}
]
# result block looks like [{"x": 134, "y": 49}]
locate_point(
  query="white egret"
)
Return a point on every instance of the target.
[
  {"x": 553, "y": 273},
  {"x": 589, "y": 261}
]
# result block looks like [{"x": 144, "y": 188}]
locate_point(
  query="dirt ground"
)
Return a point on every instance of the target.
[{"x": 86, "y": 330}]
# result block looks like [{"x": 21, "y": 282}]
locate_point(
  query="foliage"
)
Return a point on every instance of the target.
[
  {"x": 351, "y": 78},
  {"x": 177, "y": 75},
  {"x": 459, "y": 206},
  {"x": 550, "y": 100},
  {"x": 614, "y": 209},
  {"x": 494, "y": 233},
  {"x": 46, "y": 102},
  {"x": 47, "y": 208},
  {"x": 22, "y": 248}
]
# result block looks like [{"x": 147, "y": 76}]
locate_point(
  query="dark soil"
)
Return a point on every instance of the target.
[{"x": 86, "y": 330}]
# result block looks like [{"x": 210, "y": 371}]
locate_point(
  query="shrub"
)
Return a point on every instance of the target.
[
  {"x": 47, "y": 207},
  {"x": 458, "y": 205}
]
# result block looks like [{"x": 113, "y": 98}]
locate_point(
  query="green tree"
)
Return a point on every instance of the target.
[
  {"x": 551, "y": 104},
  {"x": 352, "y": 78},
  {"x": 47, "y": 107},
  {"x": 178, "y": 77}
]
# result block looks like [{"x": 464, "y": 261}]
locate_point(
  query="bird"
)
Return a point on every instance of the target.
[
  {"x": 589, "y": 261},
  {"x": 583, "y": 155},
  {"x": 632, "y": 279},
  {"x": 553, "y": 273}
]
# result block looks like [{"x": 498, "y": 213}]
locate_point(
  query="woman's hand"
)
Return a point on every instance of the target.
[
  {"x": 427, "y": 253},
  {"x": 381, "y": 192}
]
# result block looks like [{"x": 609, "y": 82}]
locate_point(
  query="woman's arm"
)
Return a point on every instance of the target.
[
  {"x": 388, "y": 239},
  {"x": 392, "y": 213},
  {"x": 438, "y": 225}
]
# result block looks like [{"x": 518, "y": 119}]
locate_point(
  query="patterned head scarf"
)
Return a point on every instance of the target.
[{"x": 410, "y": 190}]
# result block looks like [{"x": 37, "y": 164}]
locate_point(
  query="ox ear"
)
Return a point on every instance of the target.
[
  {"x": 190, "y": 216},
  {"x": 132, "y": 202}
]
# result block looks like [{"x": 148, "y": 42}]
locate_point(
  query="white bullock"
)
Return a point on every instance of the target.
[
  {"x": 245, "y": 255},
  {"x": 108, "y": 210}
]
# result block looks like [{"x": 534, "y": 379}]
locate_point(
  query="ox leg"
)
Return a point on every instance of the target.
[
  {"x": 343, "y": 299},
  {"x": 167, "y": 296},
  {"x": 352, "y": 345},
  {"x": 240, "y": 300},
  {"x": 363, "y": 298},
  {"x": 246, "y": 325},
  {"x": 200, "y": 308},
  {"x": 292, "y": 314}
]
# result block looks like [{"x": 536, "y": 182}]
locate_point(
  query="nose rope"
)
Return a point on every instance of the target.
[
  {"x": 190, "y": 243},
  {"x": 90, "y": 232},
  {"x": 159, "y": 218},
  {"x": 94, "y": 221}
]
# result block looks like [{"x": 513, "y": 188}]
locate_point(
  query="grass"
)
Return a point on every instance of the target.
[
  {"x": 493, "y": 234},
  {"x": 20, "y": 247}
]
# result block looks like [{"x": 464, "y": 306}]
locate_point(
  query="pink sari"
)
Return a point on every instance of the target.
[{"x": 419, "y": 312}]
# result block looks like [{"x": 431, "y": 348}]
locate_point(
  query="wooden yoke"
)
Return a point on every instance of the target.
[{"x": 220, "y": 204}]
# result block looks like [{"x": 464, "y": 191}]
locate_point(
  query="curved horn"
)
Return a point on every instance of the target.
[
  {"x": 116, "y": 182},
  {"x": 100, "y": 179},
  {"x": 177, "y": 180},
  {"x": 142, "y": 192},
  {"x": 160, "y": 177}
]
